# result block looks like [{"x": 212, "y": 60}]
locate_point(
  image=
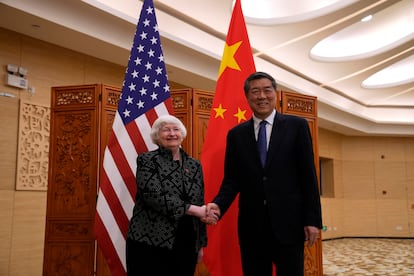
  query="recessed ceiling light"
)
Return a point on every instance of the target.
[
  {"x": 366, "y": 18},
  {"x": 389, "y": 29},
  {"x": 398, "y": 73},
  {"x": 270, "y": 12}
]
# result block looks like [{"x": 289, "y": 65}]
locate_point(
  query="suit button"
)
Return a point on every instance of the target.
[
  {"x": 264, "y": 178},
  {"x": 264, "y": 202}
]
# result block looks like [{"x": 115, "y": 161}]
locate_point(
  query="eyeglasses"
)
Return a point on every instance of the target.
[
  {"x": 267, "y": 91},
  {"x": 169, "y": 129}
]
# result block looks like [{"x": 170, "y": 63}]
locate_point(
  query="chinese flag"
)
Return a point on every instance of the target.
[{"x": 222, "y": 255}]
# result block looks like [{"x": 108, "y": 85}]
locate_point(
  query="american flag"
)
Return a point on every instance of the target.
[{"x": 145, "y": 96}]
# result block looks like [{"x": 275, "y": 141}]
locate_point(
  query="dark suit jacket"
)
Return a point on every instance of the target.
[{"x": 286, "y": 189}]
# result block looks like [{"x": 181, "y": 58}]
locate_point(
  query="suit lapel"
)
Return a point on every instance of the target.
[
  {"x": 276, "y": 137},
  {"x": 251, "y": 144}
]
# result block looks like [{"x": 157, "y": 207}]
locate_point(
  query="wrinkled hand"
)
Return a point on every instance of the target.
[
  {"x": 212, "y": 214},
  {"x": 311, "y": 235},
  {"x": 203, "y": 213}
]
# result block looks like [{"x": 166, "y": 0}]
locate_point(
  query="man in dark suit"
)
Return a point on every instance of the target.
[{"x": 279, "y": 203}]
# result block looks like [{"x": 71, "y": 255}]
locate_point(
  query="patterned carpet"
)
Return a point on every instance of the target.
[{"x": 374, "y": 257}]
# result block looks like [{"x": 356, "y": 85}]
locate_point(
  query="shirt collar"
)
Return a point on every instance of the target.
[{"x": 269, "y": 119}]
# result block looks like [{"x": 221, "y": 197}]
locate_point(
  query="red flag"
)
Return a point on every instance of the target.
[
  {"x": 145, "y": 96},
  {"x": 222, "y": 255}
]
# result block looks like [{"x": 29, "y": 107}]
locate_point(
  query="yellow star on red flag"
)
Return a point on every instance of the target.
[
  {"x": 219, "y": 111},
  {"x": 240, "y": 115},
  {"x": 228, "y": 57}
]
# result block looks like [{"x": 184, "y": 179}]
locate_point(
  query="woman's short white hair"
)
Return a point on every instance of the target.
[{"x": 163, "y": 120}]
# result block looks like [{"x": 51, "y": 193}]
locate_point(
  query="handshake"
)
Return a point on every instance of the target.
[{"x": 211, "y": 214}]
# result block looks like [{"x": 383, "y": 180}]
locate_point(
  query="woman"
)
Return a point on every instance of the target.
[{"x": 165, "y": 234}]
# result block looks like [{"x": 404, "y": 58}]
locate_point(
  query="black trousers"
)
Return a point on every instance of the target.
[
  {"x": 143, "y": 259},
  {"x": 267, "y": 251}
]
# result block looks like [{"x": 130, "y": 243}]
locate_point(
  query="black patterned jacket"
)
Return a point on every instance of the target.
[{"x": 164, "y": 192}]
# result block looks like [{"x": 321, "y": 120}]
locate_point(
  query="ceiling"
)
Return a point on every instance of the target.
[{"x": 346, "y": 52}]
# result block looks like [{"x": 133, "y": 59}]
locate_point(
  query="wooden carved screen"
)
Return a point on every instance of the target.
[
  {"x": 71, "y": 196},
  {"x": 306, "y": 107},
  {"x": 193, "y": 108},
  {"x": 81, "y": 119}
]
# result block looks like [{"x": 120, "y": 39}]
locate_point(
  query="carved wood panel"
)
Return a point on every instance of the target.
[
  {"x": 69, "y": 259},
  {"x": 181, "y": 101},
  {"x": 203, "y": 101},
  {"x": 33, "y": 150},
  {"x": 74, "y": 160},
  {"x": 72, "y": 181},
  {"x": 193, "y": 107},
  {"x": 81, "y": 120}
]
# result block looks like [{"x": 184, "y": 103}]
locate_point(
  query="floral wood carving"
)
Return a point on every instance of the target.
[
  {"x": 70, "y": 260},
  {"x": 33, "y": 147},
  {"x": 300, "y": 105},
  {"x": 113, "y": 98},
  {"x": 72, "y": 183},
  {"x": 63, "y": 229},
  {"x": 80, "y": 96},
  {"x": 178, "y": 101},
  {"x": 205, "y": 103}
]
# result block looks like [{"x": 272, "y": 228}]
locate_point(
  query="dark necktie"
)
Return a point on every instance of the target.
[{"x": 262, "y": 142}]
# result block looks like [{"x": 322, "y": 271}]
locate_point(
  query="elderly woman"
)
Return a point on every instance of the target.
[{"x": 166, "y": 235}]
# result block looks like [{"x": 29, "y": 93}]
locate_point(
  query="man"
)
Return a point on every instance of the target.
[{"x": 279, "y": 203}]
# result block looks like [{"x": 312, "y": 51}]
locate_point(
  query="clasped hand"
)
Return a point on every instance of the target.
[{"x": 212, "y": 214}]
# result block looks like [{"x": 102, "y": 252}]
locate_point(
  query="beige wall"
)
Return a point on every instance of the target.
[
  {"x": 373, "y": 184},
  {"x": 359, "y": 207},
  {"x": 22, "y": 213}
]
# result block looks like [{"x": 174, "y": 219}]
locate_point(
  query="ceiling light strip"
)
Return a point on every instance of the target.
[
  {"x": 321, "y": 29},
  {"x": 368, "y": 68},
  {"x": 399, "y": 94}
]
